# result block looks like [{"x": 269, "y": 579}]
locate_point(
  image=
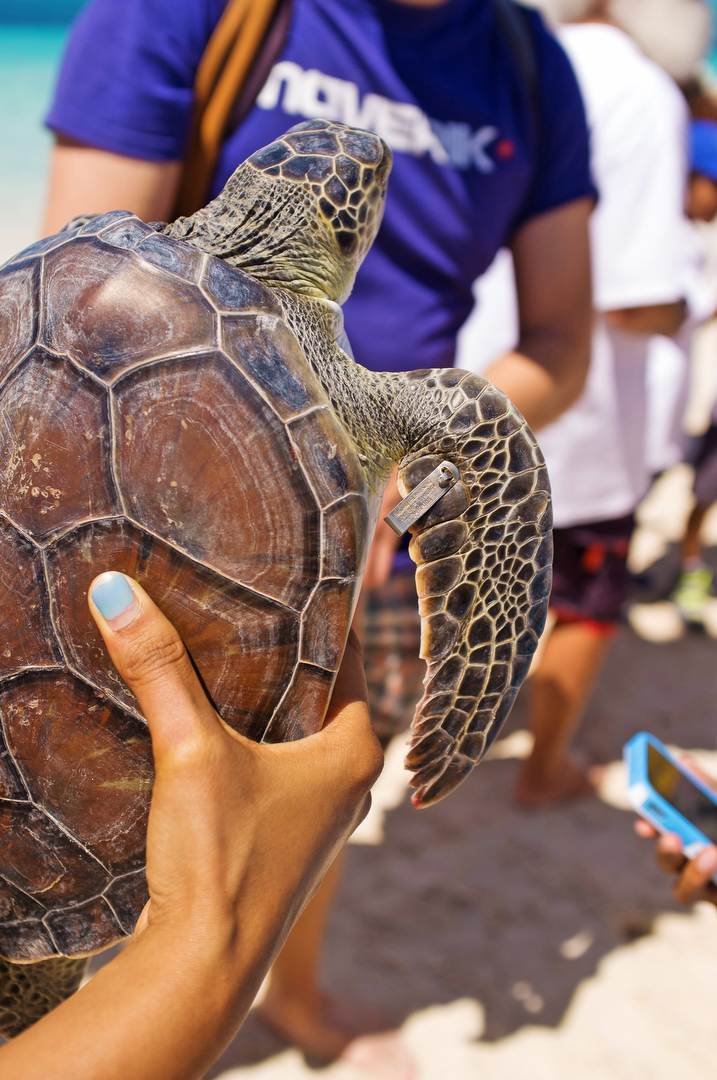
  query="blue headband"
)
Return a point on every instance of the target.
[{"x": 703, "y": 148}]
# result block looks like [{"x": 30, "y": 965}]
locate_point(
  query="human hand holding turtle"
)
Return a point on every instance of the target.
[{"x": 239, "y": 836}]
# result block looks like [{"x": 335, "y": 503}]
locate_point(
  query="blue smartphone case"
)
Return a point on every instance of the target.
[{"x": 650, "y": 805}]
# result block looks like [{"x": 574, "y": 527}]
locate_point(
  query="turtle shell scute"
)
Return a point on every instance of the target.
[
  {"x": 126, "y": 896},
  {"x": 167, "y": 254},
  {"x": 309, "y": 688},
  {"x": 182, "y": 428},
  {"x": 159, "y": 314},
  {"x": 125, "y": 234},
  {"x": 11, "y": 785},
  {"x": 17, "y": 906},
  {"x": 86, "y": 763},
  {"x": 345, "y": 527},
  {"x": 222, "y": 624},
  {"x": 40, "y": 859},
  {"x": 55, "y": 473},
  {"x": 83, "y": 928},
  {"x": 327, "y": 460},
  {"x": 102, "y": 221},
  {"x": 28, "y": 639},
  {"x": 26, "y": 940},
  {"x": 18, "y": 318},
  {"x": 234, "y": 291},
  {"x": 266, "y": 351},
  {"x": 326, "y": 622},
  {"x": 40, "y": 247}
]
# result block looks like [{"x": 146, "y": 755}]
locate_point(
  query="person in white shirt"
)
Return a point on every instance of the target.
[
  {"x": 595, "y": 452},
  {"x": 642, "y": 260}
]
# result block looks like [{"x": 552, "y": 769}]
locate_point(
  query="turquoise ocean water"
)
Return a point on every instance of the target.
[{"x": 32, "y": 35}]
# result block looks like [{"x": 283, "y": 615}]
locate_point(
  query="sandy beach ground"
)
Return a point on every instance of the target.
[
  {"x": 506, "y": 944},
  {"x": 540, "y": 945}
]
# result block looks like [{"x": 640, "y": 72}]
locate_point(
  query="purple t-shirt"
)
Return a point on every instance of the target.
[{"x": 438, "y": 83}]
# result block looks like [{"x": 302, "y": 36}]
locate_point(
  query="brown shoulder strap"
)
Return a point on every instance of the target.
[{"x": 222, "y": 72}]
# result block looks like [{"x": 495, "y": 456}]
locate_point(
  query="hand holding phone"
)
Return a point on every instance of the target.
[{"x": 682, "y": 806}]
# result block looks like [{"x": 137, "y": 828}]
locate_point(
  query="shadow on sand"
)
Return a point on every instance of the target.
[{"x": 474, "y": 897}]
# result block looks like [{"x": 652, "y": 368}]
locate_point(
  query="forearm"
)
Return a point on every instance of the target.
[
  {"x": 544, "y": 375},
  {"x": 164, "y": 1009},
  {"x": 84, "y": 180},
  {"x": 547, "y": 371},
  {"x": 238, "y": 838}
]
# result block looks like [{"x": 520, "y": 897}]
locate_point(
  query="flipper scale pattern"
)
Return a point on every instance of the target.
[{"x": 484, "y": 555}]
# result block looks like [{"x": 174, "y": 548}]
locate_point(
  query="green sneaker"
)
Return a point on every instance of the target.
[{"x": 693, "y": 590}]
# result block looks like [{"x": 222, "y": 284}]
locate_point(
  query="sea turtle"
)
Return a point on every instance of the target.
[{"x": 178, "y": 402}]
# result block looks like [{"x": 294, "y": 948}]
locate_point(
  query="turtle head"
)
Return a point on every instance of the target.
[{"x": 301, "y": 213}]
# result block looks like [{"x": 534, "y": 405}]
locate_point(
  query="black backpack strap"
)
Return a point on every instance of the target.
[{"x": 514, "y": 24}]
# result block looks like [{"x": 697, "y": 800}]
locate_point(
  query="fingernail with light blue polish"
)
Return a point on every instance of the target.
[{"x": 114, "y": 599}]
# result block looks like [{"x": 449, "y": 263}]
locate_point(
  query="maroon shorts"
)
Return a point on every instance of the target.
[
  {"x": 704, "y": 459},
  {"x": 391, "y": 637},
  {"x": 591, "y": 581}
]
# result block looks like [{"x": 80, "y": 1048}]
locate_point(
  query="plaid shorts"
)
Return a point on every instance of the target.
[{"x": 391, "y": 640}]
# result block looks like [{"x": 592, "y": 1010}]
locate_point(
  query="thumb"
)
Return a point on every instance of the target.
[{"x": 150, "y": 656}]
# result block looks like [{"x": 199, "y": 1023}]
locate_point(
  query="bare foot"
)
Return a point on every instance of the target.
[
  {"x": 355, "y": 1019},
  {"x": 382, "y": 1057},
  {"x": 572, "y": 780},
  {"x": 302, "y": 1022},
  {"x": 317, "y": 1025}
]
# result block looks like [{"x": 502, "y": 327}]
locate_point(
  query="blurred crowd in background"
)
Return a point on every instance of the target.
[{"x": 672, "y": 556}]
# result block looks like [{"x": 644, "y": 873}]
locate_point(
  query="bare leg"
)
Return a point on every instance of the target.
[
  {"x": 294, "y": 1005},
  {"x": 691, "y": 547},
  {"x": 560, "y": 689}
]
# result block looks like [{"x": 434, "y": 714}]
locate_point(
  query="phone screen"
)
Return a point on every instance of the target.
[{"x": 681, "y": 793}]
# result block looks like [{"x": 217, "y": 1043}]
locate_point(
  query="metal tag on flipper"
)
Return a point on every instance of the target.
[{"x": 425, "y": 495}]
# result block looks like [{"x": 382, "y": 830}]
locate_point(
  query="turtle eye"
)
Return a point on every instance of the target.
[{"x": 340, "y": 335}]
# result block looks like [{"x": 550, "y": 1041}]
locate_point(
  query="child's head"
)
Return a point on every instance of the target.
[{"x": 702, "y": 190}]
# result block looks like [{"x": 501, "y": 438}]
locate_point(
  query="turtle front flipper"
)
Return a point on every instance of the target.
[
  {"x": 484, "y": 555},
  {"x": 28, "y": 991}
]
